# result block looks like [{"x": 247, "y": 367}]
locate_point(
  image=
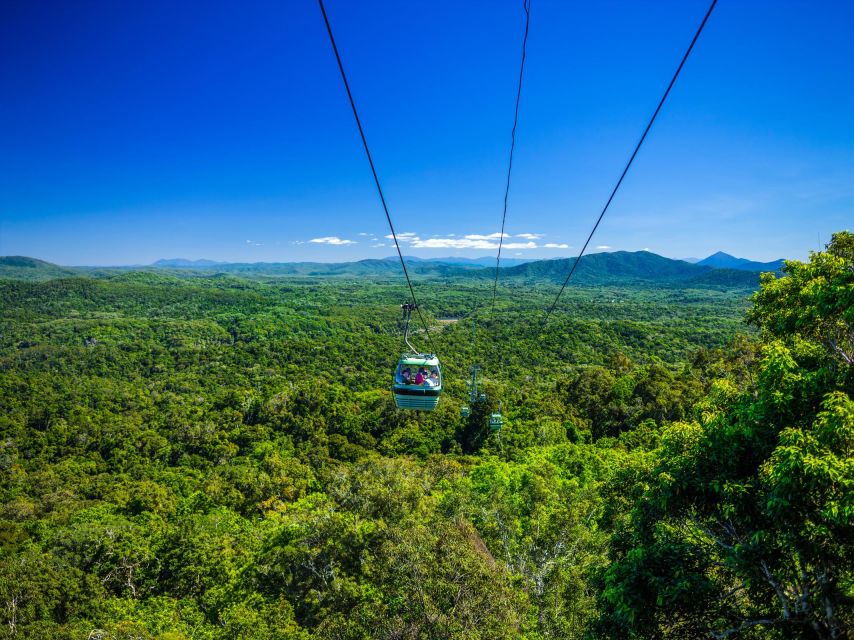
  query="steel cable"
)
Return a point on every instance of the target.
[
  {"x": 526, "y": 4},
  {"x": 374, "y": 172},
  {"x": 629, "y": 163}
]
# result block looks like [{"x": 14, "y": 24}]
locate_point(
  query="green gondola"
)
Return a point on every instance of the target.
[
  {"x": 417, "y": 382},
  {"x": 496, "y": 421},
  {"x": 418, "y": 377}
]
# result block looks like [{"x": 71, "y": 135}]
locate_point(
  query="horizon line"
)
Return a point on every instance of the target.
[{"x": 214, "y": 262}]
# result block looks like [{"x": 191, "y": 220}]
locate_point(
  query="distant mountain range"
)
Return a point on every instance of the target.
[
  {"x": 615, "y": 268},
  {"x": 629, "y": 268},
  {"x": 721, "y": 260},
  {"x": 485, "y": 261}
]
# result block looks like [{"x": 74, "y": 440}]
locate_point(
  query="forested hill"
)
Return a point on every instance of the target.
[
  {"x": 617, "y": 268},
  {"x": 627, "y": 267},
  {"x": 23, "y": 268}
]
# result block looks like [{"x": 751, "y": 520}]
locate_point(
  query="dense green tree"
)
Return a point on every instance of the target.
[{"x": 746, "y": 528}]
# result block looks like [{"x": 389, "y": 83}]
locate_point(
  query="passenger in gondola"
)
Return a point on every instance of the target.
[
  {"x": 406, "y": 376},
  {"x": 419, "y": 377}
]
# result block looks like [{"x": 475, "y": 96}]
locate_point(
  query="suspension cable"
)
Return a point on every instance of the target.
[
  {"x": 374, "y": 172},
  {"x": 407, "y": 316},
  {"x": 526, "y": 5},
  {"x": 629, "y": 163}
]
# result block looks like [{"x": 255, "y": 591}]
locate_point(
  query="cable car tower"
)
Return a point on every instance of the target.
[
  {"x": 496, "y": 420},
  {"x": 473, "y": 395}
]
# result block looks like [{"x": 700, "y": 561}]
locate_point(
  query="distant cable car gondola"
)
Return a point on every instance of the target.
[{"x": 418, "y": 377}]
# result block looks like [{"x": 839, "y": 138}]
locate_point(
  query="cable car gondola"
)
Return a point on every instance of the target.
[
  {"x": 418, "y": 377},
  {"x": 417, "y": 382}
]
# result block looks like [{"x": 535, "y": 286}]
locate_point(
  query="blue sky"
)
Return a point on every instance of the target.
[{"x": 136, "y": 131}]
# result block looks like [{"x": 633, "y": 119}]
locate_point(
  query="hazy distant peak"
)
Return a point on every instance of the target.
[{"x": 722, "y": 260}]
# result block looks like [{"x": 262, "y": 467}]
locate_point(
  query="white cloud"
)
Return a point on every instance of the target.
[
  {"x": 252, "y": 243},
  {"x": 480, "y": 241},
  {"x": 331, "y": 240},
  {"x": 406, "y": 236},
  {"x": 491, "y": 236},
  {"x": 376, "y": 246},
  {"x": 603, "y": 246},
  {"x": 468, "y": 243},
  {"x": 555, "y": 245},
  {"x": 362, "y": 233}
]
